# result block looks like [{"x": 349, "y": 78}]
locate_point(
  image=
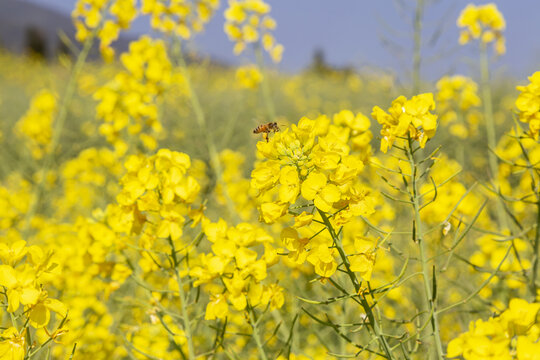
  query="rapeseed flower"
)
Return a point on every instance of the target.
[
  {"x": 12, "y": 345},
  {"x": 407, "y": 118},
  {"x": 514, "y": 331},
  {"x": 483, "y": 22},
  {"x": 249, "y": 22},
  {"x": 106, "y": 17},
  {"x": 179, "y": 17},
  {"x": 236, "y": 263},
  {"x": 128, "y": 103},
  {"x": 528, "y": 104},
  {"x": 36, "y": 126},
  {"x": 457, "y": 99},
  {"x": 249, "y": 77}
]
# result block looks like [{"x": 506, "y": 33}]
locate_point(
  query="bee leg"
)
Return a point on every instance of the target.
[{"x": 265, "y": 136}]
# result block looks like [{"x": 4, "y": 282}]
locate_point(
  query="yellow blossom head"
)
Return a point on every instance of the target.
[{"x": 483, "y": 22}]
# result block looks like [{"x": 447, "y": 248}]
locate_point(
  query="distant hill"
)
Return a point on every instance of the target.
[{"x": 27, "y": 27}]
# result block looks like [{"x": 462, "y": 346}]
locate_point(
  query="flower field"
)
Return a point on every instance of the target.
[{"x": 153, "y": 206}]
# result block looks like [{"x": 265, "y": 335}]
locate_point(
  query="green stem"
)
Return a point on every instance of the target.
[
  {"x": 183, "y": 300},
  {"x": 419, "y": 237},
  {"x": 490, "y": 128},
  {"x": 265, "y": 85},
  {"x": 354, "y": 280},
  {"x": 417, "y": 57},
  {"x": 58, "y": 127},
  {"x": 254, "y": 326}
]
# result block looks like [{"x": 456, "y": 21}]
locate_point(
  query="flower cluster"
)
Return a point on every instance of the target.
[
  {"x": 179, "y": 17},
  {"x": 15, "y": 197},
  {"x": 319, "y": 250},
  {"x": 106, "y": 17},
  {"x": 237, "y": 265},
  {"x": 35, "y": 127},
  {"x": 311, "y": 166},
  {"x": 528, "y": 104},
  {"x": 357, "y": 127},
  {"x": 484, "y": 22},
  {"x": 93, "y": 172},
  {"x": 249, "y": 77},
  {"x": 407, "y": 118},
  {"x": 248, "y": 22},
  {"x": 312, "y": 163},
  {"x": 456, "y": 97},
  {"x": 157, "y": 192},
  {"x": 23, "y": 271},
  {"x": 514, "y": 334},
  {"x": 130, "y": 101}
]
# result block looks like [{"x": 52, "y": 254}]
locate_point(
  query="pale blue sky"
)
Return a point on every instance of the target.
[{"x": 350, "y": 33}]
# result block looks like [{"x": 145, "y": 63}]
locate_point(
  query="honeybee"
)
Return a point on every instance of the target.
[{"x": 265, "y": 129}]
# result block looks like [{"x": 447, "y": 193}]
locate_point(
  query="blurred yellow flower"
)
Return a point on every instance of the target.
[
  {"x": 528, "y": 104},
  {"x": 249, "y": 77},
  {"x": 36, "y": 126},
  {"x": 248, "y": 22},
  {"x": 484, "y": 22}
]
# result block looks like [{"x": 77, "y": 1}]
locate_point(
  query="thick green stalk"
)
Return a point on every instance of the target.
[
  {"x": 58, "y": 127},
  {"x": 354, "y": 280},
  {"x": 417, "y": 56},
  {"x": 183, "y": 300},
  {"x": 419, "y": 237},
  {"x": 490, "y": 128}
]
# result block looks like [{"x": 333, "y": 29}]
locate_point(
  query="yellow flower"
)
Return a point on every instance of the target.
[
  {"x": 295, "y": 245},
  {"x": 127, "y": 104},
  {"x": 249, "y": 77},
  {"x": 322, "y": 258},
  {"x": 40, "y": 313},
  {"x": 265, "y": 175},
  {"x": 181, "y": 18},
  {"x": 528, "y": 104},
  {"x": 461, "y": 93},
  {"x": 493, "y": 339},
  {"x": 313, "y": 184},
  {"x": 217, "y": 308},
  {"x": 35, "y": 127},
  {"x": 107, "y": 17},
  {"x": 13, "y": 347},
  {"x": 407, "y": 118},
  {"x": 10, "y": 255},
  {"x": 271, "y": 212},
  {"x": 304, "y": 219},
  {"x": 484, "y": 22},
  {"x": 362, "y": 258},
  {"x": 527, "y": 349},
  {"x": 20, "y": 285},
  {"x": 247, "y": 22}
]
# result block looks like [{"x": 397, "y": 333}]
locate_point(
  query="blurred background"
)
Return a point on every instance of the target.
[{"x": 348, "y": 33}]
